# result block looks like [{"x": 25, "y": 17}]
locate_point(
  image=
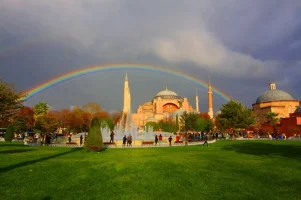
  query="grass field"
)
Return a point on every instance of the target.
[{"x": 224, "y": 170}]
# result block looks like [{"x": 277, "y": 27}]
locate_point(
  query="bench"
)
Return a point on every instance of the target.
[
  {"x": 71, "y": 143},
  {"x": 178, "y": 142},
  {"x": 109, "y": 143},
  {"x": 147, "y": 143}
]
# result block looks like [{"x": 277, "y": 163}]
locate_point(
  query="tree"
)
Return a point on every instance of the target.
[
  {"x": 202, "y": 124},
  {"x": 155, "y": 126},
  {"x": 27, "y": 114},
  {"x": 116, "y": 116},
  {"x": 235, "y": 115},
  {"x": 40, "y": 109},
  {"x": 94, "y": 139},
  {"x": 92, "y": 108},
  {"x": 205, "y": 115},
  {"x": 107, "y": 122},
  {"x": 188, "y": 122},
  {"x": 9, "y": 135},
  {"x": 10, "y": 102},
  {"x": 19, "y": 124},
  {"x": 168, "y": 126},
  {"x": 272, "y": 118},
  {"x": 46, "y": 123},
  {"x": 101, "y": 115}
]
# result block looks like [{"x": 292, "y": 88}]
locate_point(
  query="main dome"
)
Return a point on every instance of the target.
[
  {"x": 168, "y": 94},
  {"x": 274, "y": 95}
]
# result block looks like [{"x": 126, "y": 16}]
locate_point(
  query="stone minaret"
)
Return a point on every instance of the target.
[
  {"x": 196, "y": 101},
  {"x": 126, "y": 96},
  {"x": 210, "y": 104}
]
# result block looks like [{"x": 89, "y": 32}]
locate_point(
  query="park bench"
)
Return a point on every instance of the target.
[
  {"x": 147, "y": 143},
  {"x": 71, "y": 143},
  {"x": 109, "y": 143},
  {"x": 178, "y": 142}
]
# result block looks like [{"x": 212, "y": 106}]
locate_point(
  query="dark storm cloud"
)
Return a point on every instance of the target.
[{"x": 242, "y": 45}]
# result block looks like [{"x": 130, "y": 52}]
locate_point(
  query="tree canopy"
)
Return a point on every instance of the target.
[
  {"x": 235, "y": 115},
  {"x": 10, "y": 102}
]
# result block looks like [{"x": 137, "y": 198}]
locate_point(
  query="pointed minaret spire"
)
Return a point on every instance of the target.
[
  {"x": 126, "y": 76},
  {"x": 210, "y": 104},
  {"x": 126, "y": 96},
  {"x": 196, "y": 101}
]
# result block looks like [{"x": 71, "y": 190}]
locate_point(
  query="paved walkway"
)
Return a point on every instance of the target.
[{"x": 133, "y": 145}]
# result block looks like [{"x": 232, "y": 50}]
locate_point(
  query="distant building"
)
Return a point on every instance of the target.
[
  {"x": 165, "y": 104},
  {"x": 290, "y": 126},
  {"x": 273, "y": 100}
]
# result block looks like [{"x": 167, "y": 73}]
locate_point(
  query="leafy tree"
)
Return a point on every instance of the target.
[
  {"x": 9, "y": 135},
  {"x": 26, "y": 114},
  {"x": 10, "y": 102},
  {"x": 107, "y": 122},
  {"x": 272, "y": 118},
  {"x": 168, "y": 126},
  {"x": 152, "y": 124},
  {"x": 92, "y": 108},
  {"x": 188, "y": 122},
  {"x": 40, "y": 109},
  {"x": 19, "y": 124},
  {"x": 205, "y": 115},
  {"x": 202, "y": 124},
  {"x": 116, "y": 116},
  {"x": 46, "y": 123},
  {"x": 101, "y": 115},
  {"x": 94, "y": 140},
  {"x": 235, "y": 115}
]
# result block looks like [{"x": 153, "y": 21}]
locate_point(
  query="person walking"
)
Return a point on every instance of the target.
[
  {"x": 160, "y": 139},
  {"x": 129, "y": 140},
  {"x": 112, "y": 137},
  {"x": 205, "y": 139},
  {"x": 169, "y": 140},
  {"x": 156, "y": 140},
  {"x": 124, "y": 141},
  {"x": 81, "y": 140}
]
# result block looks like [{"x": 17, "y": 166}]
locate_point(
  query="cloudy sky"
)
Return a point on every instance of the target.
[{"x": 241, "y": 44}]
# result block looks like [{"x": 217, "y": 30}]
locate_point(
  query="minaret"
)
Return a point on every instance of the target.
[
  {"x": 126, "y": 96},
  {"x": 196, "y": 101},
  {"x": 210, "y": 104}
]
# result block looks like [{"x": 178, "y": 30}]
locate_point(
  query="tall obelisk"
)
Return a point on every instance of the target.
[{"x": 210, "y": 103}]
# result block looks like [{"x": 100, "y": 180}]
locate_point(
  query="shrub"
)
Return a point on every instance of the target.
[
  {"x": 9, "y": 135},
  {"x": 94, "y": 139}
]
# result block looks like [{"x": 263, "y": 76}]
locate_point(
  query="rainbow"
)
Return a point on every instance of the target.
[{"x": 112, "y": 67}]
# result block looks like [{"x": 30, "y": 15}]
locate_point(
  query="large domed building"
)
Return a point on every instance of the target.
[
  {"x": 165, "y": 104},
  {"x": 273, "y": 100}
]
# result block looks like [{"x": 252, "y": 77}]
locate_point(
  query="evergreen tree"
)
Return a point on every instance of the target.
[
  {"x": 9, "y": 135},
  {"x": 94, "y": 139}
]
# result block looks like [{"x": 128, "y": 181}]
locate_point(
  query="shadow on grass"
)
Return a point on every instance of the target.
[
  {"x": 263, "y": 149},
  {"x": 16, "y": 151},
  {"x": 22, "y": 164}
]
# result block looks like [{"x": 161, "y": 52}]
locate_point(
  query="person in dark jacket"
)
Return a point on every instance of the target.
[
  {"x": 156, "y": 139},
  {"x": 124, "y": 141},
  {"x": 205, "y": 140}
]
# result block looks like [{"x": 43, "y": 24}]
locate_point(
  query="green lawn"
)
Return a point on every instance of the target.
[{"x": 224, "y": 170}]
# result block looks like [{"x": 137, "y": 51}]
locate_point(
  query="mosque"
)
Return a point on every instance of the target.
[
  {"x": 273, "y": 100},
  {"x": 165, "y": 104}
]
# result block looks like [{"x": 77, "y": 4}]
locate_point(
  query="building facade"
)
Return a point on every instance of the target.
[
  {"x": 276, "y": 101},
  {"x": 165, "y": 104}
]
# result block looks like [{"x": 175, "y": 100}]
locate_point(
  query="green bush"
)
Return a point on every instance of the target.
[
  {"x": 9, "y": 135},
  {"x": 94, "y": 139}
]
